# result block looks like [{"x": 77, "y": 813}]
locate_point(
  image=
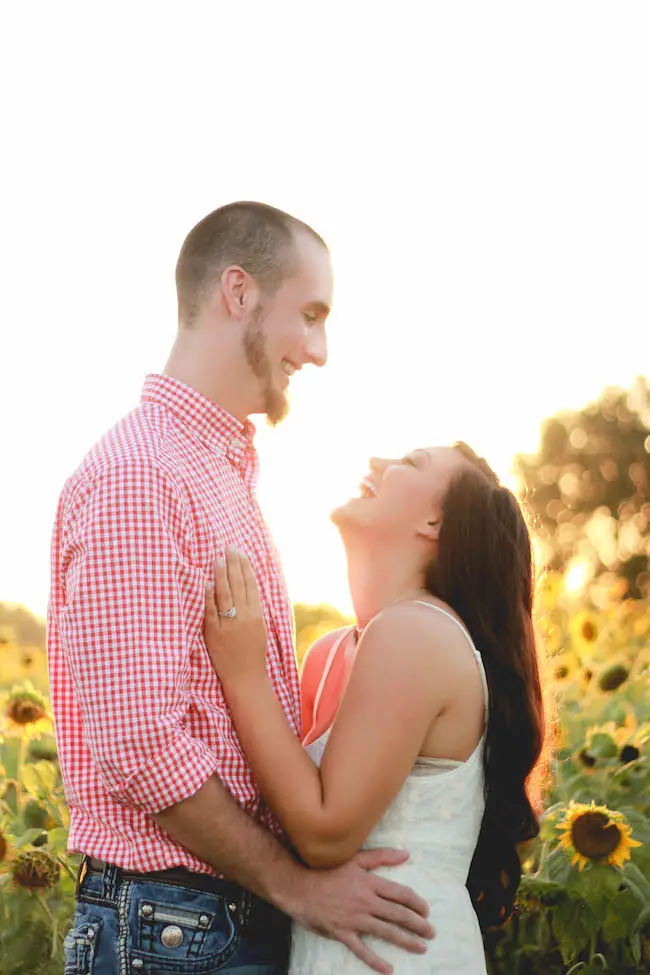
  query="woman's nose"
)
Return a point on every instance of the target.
[{"x": 379, "y": 464}]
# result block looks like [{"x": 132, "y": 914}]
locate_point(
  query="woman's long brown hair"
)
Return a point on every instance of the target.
[{"x": 484, "y": 571}]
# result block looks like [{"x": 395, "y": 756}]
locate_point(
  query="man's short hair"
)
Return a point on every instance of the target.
[{"x": 254, "y": 236}]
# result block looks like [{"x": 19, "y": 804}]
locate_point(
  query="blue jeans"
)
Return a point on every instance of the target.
[{"x": 131, "y": 926}]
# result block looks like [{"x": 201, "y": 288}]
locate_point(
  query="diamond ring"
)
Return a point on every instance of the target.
[{"x": 231, "y": 614}]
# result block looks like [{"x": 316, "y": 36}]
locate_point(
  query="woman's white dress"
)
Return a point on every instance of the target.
[{"x": 436, "y": 816}]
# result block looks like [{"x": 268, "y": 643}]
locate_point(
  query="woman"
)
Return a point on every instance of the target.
[{"x": 423, "y": 724}]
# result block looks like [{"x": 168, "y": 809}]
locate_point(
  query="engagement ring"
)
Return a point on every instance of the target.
[{"x": 231, "y": 614}]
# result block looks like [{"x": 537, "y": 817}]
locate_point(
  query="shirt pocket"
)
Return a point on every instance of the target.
[{"x": 174, "y": 929}]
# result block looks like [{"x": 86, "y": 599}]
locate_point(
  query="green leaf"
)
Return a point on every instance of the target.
[
  {"x": 57, "y": 839},
  {"x": 596, "y": 885},
  {"x": 30, "y": 780},
  {"x": 635, "y": 879},
  {"x": 622, "y": 915},
  {"x": 46, "y": 775},
  {"x": 603, "y": 746},
  {"x": 574, "y": 925},
  {"x": 558, "y": 866},
  {"x": 28, "y": 838},
  {"x": 642, "y": 919}
]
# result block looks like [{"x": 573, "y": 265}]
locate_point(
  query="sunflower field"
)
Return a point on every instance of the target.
[
  {"x": 37, "y": 876},
  {"x": 584, "y": 902}
]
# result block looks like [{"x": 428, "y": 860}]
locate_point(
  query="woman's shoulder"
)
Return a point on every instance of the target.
[
  {"x": 414, "y": 629},
  {"x": 418, "y": 615}
]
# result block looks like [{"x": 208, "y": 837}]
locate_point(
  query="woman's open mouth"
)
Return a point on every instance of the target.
[{"x": 368, "y": 489}]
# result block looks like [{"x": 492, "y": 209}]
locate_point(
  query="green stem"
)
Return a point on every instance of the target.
[
  {"x": 20, "y": 762},
  {"x": 41, "y": 902},
  {"x": 72, "y": 873}
]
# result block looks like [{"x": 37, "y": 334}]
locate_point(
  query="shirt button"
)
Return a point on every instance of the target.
[{"x": 237, "y": 443}]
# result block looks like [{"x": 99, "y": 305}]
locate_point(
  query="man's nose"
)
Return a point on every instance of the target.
[{"x": 317, "y": 347}]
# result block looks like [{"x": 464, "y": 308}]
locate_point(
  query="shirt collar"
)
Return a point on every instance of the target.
[{"x": 220, "y": 431}]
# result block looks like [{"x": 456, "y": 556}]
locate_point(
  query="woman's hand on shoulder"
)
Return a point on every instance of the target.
[{"x": 236, "y": 644}]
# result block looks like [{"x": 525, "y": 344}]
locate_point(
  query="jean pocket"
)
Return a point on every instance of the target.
[
  {"x": 174, "y": 929},
  {"x": 80, "y": 945}
]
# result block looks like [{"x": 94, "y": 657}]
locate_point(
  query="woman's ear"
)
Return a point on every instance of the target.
[{"x": 430, "y": 530}]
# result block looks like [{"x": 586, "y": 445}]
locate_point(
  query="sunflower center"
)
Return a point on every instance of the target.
[
  {"x": 594, "y": 835},
  {"x": 629, "y": 753},
  {"x": 34, "y": 869},
  {"x": 589, "y": 631},
  {"x": 24, "y": 712}
]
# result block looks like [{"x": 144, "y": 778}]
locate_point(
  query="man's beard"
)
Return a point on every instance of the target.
[{"x": 276, "y": 404}]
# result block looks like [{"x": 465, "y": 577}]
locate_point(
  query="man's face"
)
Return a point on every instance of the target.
[{"x": 287, "y": 329}]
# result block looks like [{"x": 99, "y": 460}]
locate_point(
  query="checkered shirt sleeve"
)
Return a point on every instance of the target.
[{"x": 133, "y": 610}]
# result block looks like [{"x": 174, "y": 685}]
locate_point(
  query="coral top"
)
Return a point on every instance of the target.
[{"x": 324, "y": 677}]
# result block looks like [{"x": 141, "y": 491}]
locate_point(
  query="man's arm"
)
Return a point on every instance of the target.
[
  {"x": 342, "y": 904},
  {"x": 129, "y": 621}
]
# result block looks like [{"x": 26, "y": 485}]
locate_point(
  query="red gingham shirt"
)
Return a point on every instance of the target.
[{"x": 141, "y": 719}]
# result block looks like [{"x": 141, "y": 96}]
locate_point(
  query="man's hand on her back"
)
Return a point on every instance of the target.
[{"x": 349, "y": 901}]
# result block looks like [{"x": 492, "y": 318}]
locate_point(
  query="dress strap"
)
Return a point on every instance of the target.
[
  {"x": 477, "y": 655},
  {"x": 328, "y": 664}
]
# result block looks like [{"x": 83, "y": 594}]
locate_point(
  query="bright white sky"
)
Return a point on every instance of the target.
[{"x": 480, "y": 171}]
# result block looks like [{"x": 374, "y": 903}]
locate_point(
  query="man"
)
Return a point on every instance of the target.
[{"x": 184, "y": 867}]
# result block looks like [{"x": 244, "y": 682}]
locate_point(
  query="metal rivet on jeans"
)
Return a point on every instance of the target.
[
  {"x": 137, "y": 963},
  {"x": 146, "y": 910},
  {"x": 232, "y": 907},
  {"x": 204, "y": 921},
  {"x": 90, "y": 934},
  {"x": 171, "y": 936}
]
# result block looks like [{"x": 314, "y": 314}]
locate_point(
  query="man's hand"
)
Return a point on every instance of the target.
[{"x": 350, "y": 901}]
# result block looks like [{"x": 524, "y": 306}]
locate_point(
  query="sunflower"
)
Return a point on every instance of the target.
[
  {"x": 613, "y": 676},
  {"x": 35, "y": 869},
  {"x": 26, "y": 712},
  {"x": 596, "y": 833},
  {"x": 584, "y": 628},
  {"x": 564, "y": 666}
]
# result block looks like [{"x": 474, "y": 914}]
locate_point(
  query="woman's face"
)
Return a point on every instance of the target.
[{"x": 402, "y": 498}]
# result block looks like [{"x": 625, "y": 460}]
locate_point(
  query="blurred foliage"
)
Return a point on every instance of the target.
[
  {"x": 313, "y": 622},
  {"x": 589, "y": 487},
  {"x": 21, "y": 625}
]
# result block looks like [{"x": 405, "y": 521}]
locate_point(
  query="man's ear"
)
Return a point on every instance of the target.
[{"x": 235, "y": 288}]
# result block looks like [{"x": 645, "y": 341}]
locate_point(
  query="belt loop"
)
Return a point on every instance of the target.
[
  {"x": 81, "y": 873},
  {"x": 110, "y": 878},
  {"x": 246, "y": 904}
]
